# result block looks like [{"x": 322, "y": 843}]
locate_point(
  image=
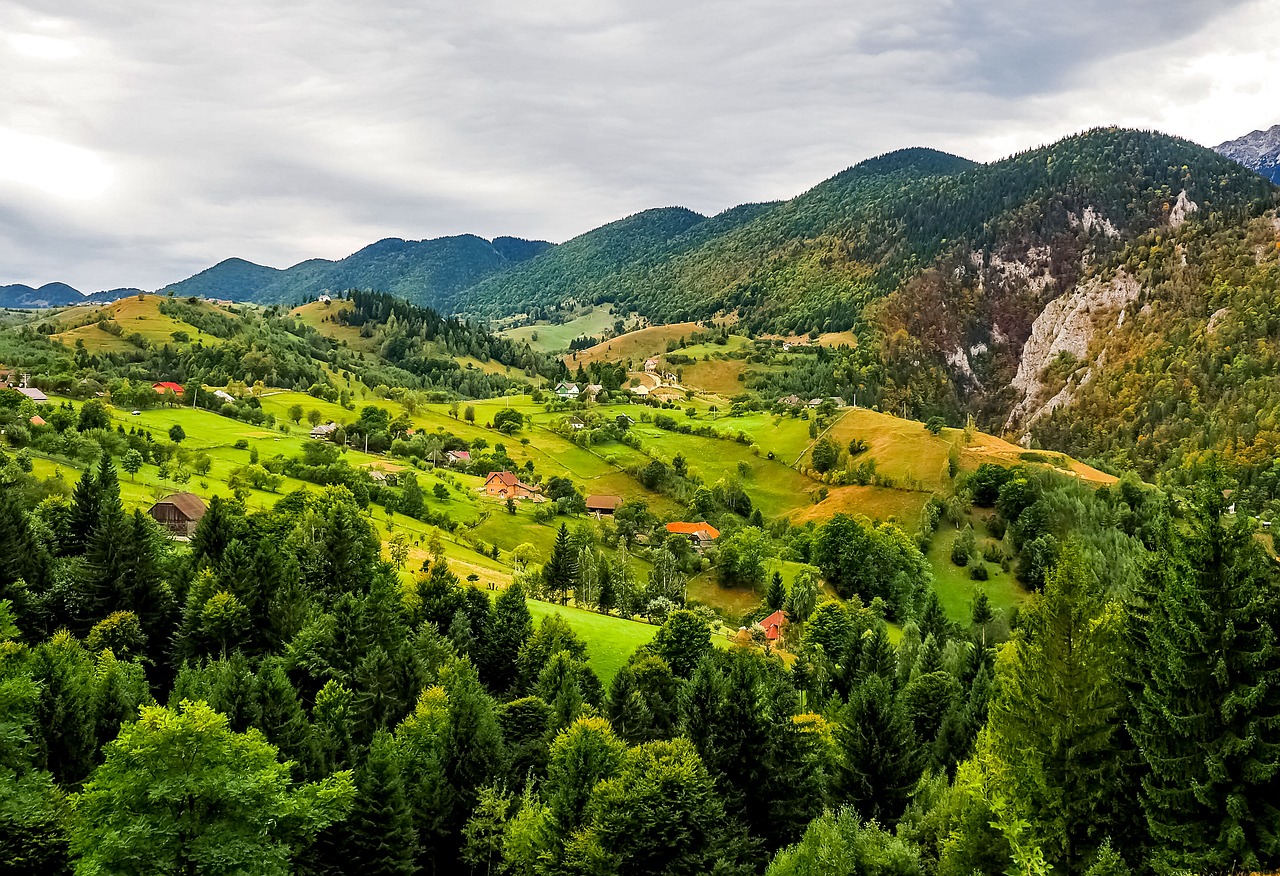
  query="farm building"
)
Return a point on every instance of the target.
[
  {"x": 789, "y": 401},
  {"x": 324, "y": 431},
  {"x": 224, "y": 395},
  {"x": 167, "y": 386},
  {"x": 603, "y": 505},
  {"x": 651, "y": 364},
  {"x": 576, "y": 423},
  {"x": 179, "y": 513},
  {"x": 593, "y": 390},
  {"x": 774, "y": 624},
  {"x": 457, "y": 457},
  {"x": 640, "y": 390},
  {"x": 700, "y": 534},
  {"x": 567, "y": 390},
  {"x": 32, "y": 393},
  {"x": 505, "y": 485}
]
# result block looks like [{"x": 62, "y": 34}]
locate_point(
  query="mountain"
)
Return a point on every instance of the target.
[
  {"x": 21, "y": 296},
  {"x": 597, "y": 264},
  {"x": 426, "y": 272},
  {"x": 1258, "y": 151}
]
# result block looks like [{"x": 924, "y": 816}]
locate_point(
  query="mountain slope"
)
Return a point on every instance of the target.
[
  {"x": 428, "y": 272},
  {"x": 1259, "y": 151}
]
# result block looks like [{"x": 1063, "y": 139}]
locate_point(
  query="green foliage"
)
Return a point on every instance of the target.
[
  {"x": 179, "y": 792},
  {"x": 838, "y": 844},
  {"x": 682, "y": 641}
]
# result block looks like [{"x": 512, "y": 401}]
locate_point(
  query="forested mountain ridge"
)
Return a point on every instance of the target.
[{"x": 427, "y": 272}]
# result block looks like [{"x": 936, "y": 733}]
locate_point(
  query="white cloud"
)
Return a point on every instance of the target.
[{"x": 278, "y": 132}]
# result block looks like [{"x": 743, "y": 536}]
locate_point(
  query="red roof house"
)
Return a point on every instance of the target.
[
  {"x": 773, "y": 625},
  {"x": 167, "y": 386}
]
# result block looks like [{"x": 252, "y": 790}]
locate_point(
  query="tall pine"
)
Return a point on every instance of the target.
[{"x": 1208, "y": 710}]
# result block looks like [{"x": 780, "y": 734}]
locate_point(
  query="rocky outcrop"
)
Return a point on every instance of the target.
[
  {"x": 1068, "y": 324},
  {"x": 1181, "y": 209}
]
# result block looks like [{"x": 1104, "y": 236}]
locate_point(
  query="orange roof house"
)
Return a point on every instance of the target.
[
  {"x": 698, "y": 532},
  {"x": 505, "y": 485},
  {"x": 167, "y": 386}
]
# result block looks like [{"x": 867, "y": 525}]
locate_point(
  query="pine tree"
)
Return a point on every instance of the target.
[
  {"x": 777, "y": 594},
  {"x": 560, "y": 569},
  {"x": 381, "y": 836},
  {"x": 510, "y": 626},
  {"x": 86, "y": 507},
  {"x": 22, "y": 558},
  {"x": 878, "y": 760},
  {"x": 1208, "y": 711},
  {"x": 1054, "y": 722},
  {"x": 283, "y": 721}
]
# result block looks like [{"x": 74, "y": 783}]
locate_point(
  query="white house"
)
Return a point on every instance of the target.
[{"x": 567, "y": 390}]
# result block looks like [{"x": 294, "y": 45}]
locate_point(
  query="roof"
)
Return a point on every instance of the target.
[
  {"x": 604, "y": 503},
  {"x": 37, "y": 420},
  {"x": 594, "y": 388},
  {"x": 773, "y": 624},
  {"x": 32, "y": 393},
  {"x": 508, "y": 479},
  {"x": 460, "y": 455},
  {"x": 702, "y": 530},
  {"x": 167, "y": 386},
  {"x": 566, "y": 386},
  {"x": 222, "y": 393},
  {"x": 325, "y": 429},
  {"x": 191, "y": 505}
]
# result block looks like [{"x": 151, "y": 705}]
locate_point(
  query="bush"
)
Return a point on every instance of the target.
[{"x": 978, "y": 572}]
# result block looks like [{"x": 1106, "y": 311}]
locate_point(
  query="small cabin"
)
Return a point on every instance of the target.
[
  {"x": 603, "y": 505},
  {"x": 179, "y": 513}
]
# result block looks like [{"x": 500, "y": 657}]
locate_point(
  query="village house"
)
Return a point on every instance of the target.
[
  {"x": 651, "y": 364},
  {"x": 455, "y": 458},
  {"x": 324, "y": 299},
  {"x": 567, "y": 390},
  {"x": 701, "y": 533},
  {"x": 603, "y": 506},
  {"x": 167, "y": 386},
  {"x": 593, "y": 390},
  {"x": 774, "y": 624},
  {"x": 37, "y": 420},
  {"x": 224, "y": 395},
  {"x": 324, "y": 431},
  {"x": 789, "y": 401},
  {"x": 641, "y": 390},
  {"x": 32, "y": 393},
  {"x": 505, "y": 485},
  {"x": 179, "y": 513},
  {"x": 575, "y": 423}
]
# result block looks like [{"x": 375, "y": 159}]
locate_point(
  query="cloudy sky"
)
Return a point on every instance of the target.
[{"x": 143, "y": 140}]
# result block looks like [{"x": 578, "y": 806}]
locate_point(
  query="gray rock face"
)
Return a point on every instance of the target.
[{"x": 1259, "y": 151}]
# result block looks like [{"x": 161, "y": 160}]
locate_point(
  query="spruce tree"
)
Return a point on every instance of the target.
[
  {"x": 86, "y": 507},
  {"x": 777, "y": 594},
  {"x": 510, "y": 626},
  {"x": 1208, "y": 711},
  {"x": 878, "y": 759},
  {"x": 560, "y": 570},
  {"x": 381, "y": 836}
]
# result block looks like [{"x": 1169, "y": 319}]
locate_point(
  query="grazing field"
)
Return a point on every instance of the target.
[
  {"x": 552, "y": 338},
  {"x": 637, "y": 345},
  {"x": 316, "y": 313},
  {"x": 134, "y": 315},
  {"x": 875, "y": 503},
  {"x": 610, "y": 640},
  {"x": 956, "y": 590}
]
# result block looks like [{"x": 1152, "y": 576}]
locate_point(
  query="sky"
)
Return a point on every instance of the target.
[{"x": 144, "y": 140}]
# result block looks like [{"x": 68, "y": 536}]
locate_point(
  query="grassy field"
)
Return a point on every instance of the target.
[
  {"x": 637, "y": 345},
  {"x": 610, "y": 640},
  {"x": 553, "y": 338},
  {"x": 956, "y": 589},
  {"x": 140, "y": 315}
]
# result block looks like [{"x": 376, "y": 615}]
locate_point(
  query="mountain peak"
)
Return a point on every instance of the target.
[{"x": 1258, "y": 150}]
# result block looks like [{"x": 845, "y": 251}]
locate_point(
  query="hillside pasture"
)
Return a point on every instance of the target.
[
  {"x": 553, "y": 337},
  {"x": 636, "y": 346}
]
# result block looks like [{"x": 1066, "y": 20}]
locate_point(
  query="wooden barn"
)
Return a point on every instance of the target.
[{"x": 179, "y": 513}]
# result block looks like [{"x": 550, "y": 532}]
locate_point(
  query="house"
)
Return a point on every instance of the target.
[
  {"x": 789, "y": 401},
  {"x": 575, "y": 423},
  {"x": 641, "y": 390},
  {"x": 837, "y": 401},
  {"x": 167, "y": 386},
  {"x": 324, "y": 431},
  {"x": 603, "y": 505},
  {"x": 324, "y": 299},
  {"x": 32, "y": 393},
  {"x": 179, "y": 513},
  {"x": 700, "y": 534},
  {"x": 224, "y": 395},
  {"x": 37, "y": 420},
  {"x": 567, "y": 390},
  {"x": 651, "y": 364},
  {"x": 774, "y": 624},
  {"x": 593, "y": 390},
  {"x": 814, "y": 402},
  {"x": 457, "y": 457},
  {"x": 505, "y": 485}
]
